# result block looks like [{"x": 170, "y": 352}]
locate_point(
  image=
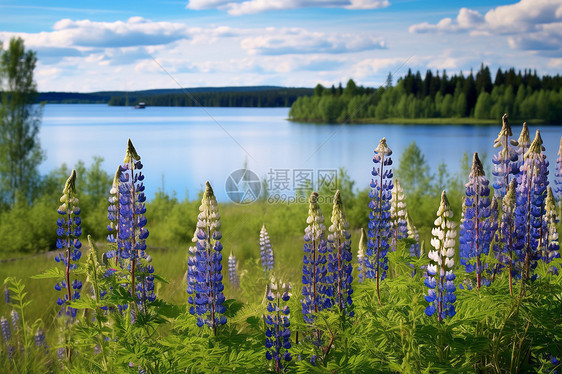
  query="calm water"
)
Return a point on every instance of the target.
[{"x": 181, "y": 148}]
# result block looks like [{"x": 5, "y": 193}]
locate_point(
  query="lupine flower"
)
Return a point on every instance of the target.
[
  {"x": 15, "y": 319},
  {"x": 398, "y": 214},
  {"x": 476, "y": 231},
  {"x": 232, "y": 270},
  {"x": 379, "y": 217},
  {"x": 550, "y": 241},
  {"x": 277, "y": 333},
  {"x": 339, "y": 257},
  {"x": 440, "y": 277},
  {"x": 128, "y": 226},
  {"x": 40, "y": 338},
  {"x": 413, "y": 234},
  {"x": 7, "y": 295},
  {"x": 266, "y": 252},
  {"x": 558, "y": 179},
  {"x": 316, "y": 291},
  {"x": 68, "y": 232},
  {"x": 523, "y": 144},
  {"x": 531, "y": 192},
  {"x": 204, "y": 272},
  {"x": 6, "y": 332},
  {"x": 361, "y": 255},
  {"x": 505, "y": 161}
]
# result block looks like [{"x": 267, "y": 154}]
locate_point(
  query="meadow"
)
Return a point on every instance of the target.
[{"x": 328, "y": 301}]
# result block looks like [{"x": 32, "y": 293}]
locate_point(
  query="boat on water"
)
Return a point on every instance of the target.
[{"x": 140, "y": 105}]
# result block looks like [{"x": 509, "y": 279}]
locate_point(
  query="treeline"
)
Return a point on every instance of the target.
[
  {"x": 524, "y": 96},
  {"x": 278, "y": 97}
]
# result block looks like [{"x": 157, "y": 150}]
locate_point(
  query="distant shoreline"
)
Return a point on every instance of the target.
[{"x": 427, "y": 121}]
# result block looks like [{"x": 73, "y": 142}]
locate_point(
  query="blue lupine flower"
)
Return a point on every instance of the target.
[
  {"x": 5, "y": 326},
  {"x": 505, "y": 161},
  {"x": 127, "y": 226},
  {"x": 277, "y": 332},
  {"x": 204, "y": 271},
  {"x": 529, "y": 211},
  {"x": 558, "y": 179},
  {"x": 339, "y": 258},
  {"x": 440, "y": 277},
  {"x": 476, "y": 231},
  {"x": 68, "y": 232},
  {"x": 318, "y": 294},
  {"x": 15, "y": 319},
  {"x": 523, "y": 144},
  {"x": 266, "y": 252},
  {"x": 550, "y": 246},
  {"x": 232, "y": 271},
  {"x": 40, "y": 338},
  {"x": 398, "y": 215},
  {"x": 361, "y": 256},
  {"x": 379, "y": 218}
]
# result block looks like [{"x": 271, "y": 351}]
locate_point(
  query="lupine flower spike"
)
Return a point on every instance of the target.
[
  {"x": 440, "y": 277},
  {"x": 315, "y": 290},
  {"x": 204, "y": 272},
  {"x": 523, "y": 144},
  {"x": 277, "y": 333},
  {"x": 476, "y": 231},
  {"x": 550, "y": 241},
  {"x": 398, "y": 214},
  {"x": 6, "y": 331},
  {"x": 505, "y": 161},
  {"x": 339, "y": 259},
  {"x": 68, "y": 232},
  {"x": 379, "y": 217},
  {"x": 361, "y": 255},
  {"x": 113, "y": 216},
  {"x": 531, "y": 193},
  {"x": 558, "y": 179},
  {"x": 266, "y": 252},
  {"x": 233, "y": 271}
]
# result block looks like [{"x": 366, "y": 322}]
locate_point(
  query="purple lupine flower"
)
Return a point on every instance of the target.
[
  {"x": 550, "y": 244},
  {"x": 505, "y": 161},
  {"x": 6, "y": 332},
  {"x": 415, "y": 250},
  {"x": 68, "y": 232},
  {"x": 232, "y": 271},
  {"x": 379, "y": 217},
  {"x": 7, "y": 295},
  {"x": 440, "y": 276},
  {"x": 317, "y": 293},
  {"x": 523, "y": 144},
  {"x": 113, "y": 216},
  {"x": 40, "y": 338},
  {"x": 558, "y": 179},
  {"x": 15, "y": 319},
  {"x": 277, "y": 332},
  {"x": 266, "y": 252},
  {"x": 531, "y": 193},
  {"x": 339, "y": 258},
  {"x": 361, "y": 256},
  {"x": 204, "y": 273},
  {"x": 399, "y": 225},
  {"x": 476, "y": 231}
]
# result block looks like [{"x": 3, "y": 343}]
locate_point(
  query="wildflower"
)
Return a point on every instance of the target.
[
  {"x": 232, "y": 270},
  {"x": 339, "y": 257},
  {"x": 550, "y": 239},
  {"x": 266, "y": 252},
  {"x": 531, "y": 192},
  {"x": 476, "y": 231},
  {"x": 361, "y": 255},
  {"x": 558, "y": 179},
  {"x": 113, "y": 216},
  {"x": 204, "y": 272},
  {"x": 277, "y": 333},
  {"x": 68, "y": 232},
  {"x": 6, "y": 332},
  {"x": 316, "y": 292},
  {"x": 440, "y": 277},
  {"x": 7, "y": 295},
  {"x": 505, "y": 161},
  {"x": 523, "y": 144},
  {"x": 379, "y": 217},
  {"x": 398, "y": 214},
  {"x": 15, "y": 319}
]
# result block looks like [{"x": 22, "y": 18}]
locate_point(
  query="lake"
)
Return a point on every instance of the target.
[{"x": 182, "y": 147}]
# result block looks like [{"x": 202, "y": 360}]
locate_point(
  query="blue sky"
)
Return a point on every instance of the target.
[{"x": 132, "y": 45}]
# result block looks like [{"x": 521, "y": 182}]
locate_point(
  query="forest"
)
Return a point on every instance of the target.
[{"x": 522, "y": 95}]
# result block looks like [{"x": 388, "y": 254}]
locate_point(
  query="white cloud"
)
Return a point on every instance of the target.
[
  {"x": 282, "y": 41},
  {"x": 533, "y": 25},
  {"x": 241, "y": 7}
]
